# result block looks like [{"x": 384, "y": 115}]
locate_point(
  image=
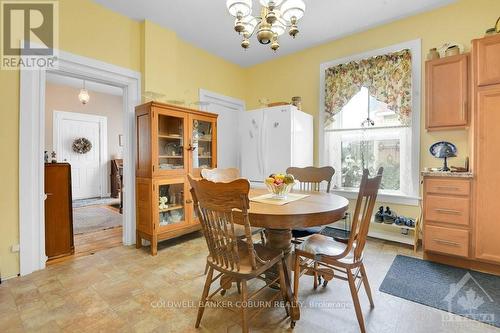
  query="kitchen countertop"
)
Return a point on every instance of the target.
[{"x": 447, "y": 174}]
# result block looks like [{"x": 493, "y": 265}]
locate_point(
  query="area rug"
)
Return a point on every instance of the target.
[
  {"x": 93, "y": 218},
  {"x": 95, "y": 201},
  {"x": 459, "y": 291}
]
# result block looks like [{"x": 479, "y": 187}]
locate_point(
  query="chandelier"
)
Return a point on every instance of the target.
[{"x": 275, "y": 17}]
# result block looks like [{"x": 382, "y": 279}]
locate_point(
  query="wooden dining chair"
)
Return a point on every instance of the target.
[
  {"x": 326, "y": 257},
  {"x": 220, "y": 175},
  {"x": 228, "y": 175},
  {"x": 310, "y": 179},
  {"x": 234, "y": 258}
]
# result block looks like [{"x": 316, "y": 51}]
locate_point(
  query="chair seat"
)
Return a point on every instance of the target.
[
  {"x": 239, "y": 231},
  {"x": 319, "y": 245},
  {"x": 271, "y": 256},
  {"x": 304, "y": 232}
]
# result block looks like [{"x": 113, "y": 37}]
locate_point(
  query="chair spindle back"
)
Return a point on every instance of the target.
[
  {"x": 310, "y": 178},
  {"x": 367, "y": 197},
  {"x": 216, "y": 203},
  {"x": 220, "y": 175}
]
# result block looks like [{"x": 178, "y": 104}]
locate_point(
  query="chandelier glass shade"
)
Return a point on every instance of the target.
[{"x": 276, "y": 16}]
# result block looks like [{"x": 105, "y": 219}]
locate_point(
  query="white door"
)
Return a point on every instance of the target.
[
  {"x": 88, "y": 170},
  {"x": 227, "y": 135},
  {"x": 229, "y": 110}
]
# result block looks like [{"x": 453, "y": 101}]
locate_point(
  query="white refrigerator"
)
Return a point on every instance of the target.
[{"x": 273, "y": 139}]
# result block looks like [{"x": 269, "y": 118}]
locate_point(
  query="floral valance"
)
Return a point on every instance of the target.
[{"x": 387, "y": 77}]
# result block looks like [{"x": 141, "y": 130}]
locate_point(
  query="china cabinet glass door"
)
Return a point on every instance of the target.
[
  {"x": 171, "y": 203},
  {"x": 170, "y": 143},
  {"x": 203, "y": 145}
]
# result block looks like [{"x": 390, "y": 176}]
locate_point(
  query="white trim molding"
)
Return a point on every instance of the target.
[
  {"x": 31, "y": 148},
  {"x": 415, "y": 48}
]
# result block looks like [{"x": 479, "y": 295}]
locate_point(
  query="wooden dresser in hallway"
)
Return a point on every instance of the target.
[{"x": 58, "y": 211}]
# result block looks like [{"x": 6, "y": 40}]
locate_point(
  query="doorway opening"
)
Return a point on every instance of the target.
[{"x": 86, "y": 135}]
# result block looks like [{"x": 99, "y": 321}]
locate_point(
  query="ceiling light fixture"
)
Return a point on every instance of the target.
[
  {"x": 272, "y": 23},
  {"x": 84, "y": 96}
]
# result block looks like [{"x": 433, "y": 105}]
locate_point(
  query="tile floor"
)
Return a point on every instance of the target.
[{"x": 127, "y": 290}]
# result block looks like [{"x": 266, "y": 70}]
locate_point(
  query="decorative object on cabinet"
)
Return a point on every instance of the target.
[
  {"x": 490, "y": 31},
  {"x": 447, "y": 93},
  {"x": 53, "y": 157},
  {"x": 433, "y": 54},
  {"x": 58, "y": 211},
  {"x": 46, "y": 156},
  {"x": 452, "y": 50},
  {"x": 297, "y": 102},
  {"x": 172, "y": 142},
  {"x": 450, "y": 45},
  {"x": 445, "y": 150}
]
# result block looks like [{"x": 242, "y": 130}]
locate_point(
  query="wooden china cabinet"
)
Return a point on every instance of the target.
[{"x": 172, "y": 142}]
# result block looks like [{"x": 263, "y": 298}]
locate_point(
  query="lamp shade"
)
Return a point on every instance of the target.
[
  {"x": 293, "y": 8},
  {"x": 279, "y": 27},
  {"x": 239, "y": 7},
  {"x": 250, "y": 23},
  {"x": 266, "y": 2}
]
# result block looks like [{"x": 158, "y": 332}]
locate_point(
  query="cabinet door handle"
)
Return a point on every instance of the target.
[
  {"x": 448, "y": 211},
  {"x": 446, "y": 242},
  {"x": 189, "y": 201},
  {"x": 450, "y": 188}
]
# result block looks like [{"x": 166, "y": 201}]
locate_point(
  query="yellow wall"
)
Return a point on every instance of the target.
[
  {"x": 298, "y": 74},
  {"x": 168, "y": 66},
  {"x": 178, "y": 69}
]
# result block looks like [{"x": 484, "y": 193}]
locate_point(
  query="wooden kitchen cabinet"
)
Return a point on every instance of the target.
[
  {"x": 447, "y": 226},
  {"x": 447, "y": 91},
  {"x": 487, "y": 60},
  {"x": 172, "y": 142},
  {"x": 486, "y": 138}
]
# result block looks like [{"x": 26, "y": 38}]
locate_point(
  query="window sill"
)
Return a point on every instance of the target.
[{"x": 392, "y": 198}]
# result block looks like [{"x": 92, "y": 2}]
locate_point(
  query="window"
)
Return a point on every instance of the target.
[{"x": 365, "y": 133}]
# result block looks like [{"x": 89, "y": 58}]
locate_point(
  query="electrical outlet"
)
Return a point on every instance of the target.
[{"x": 14, "y": 248}]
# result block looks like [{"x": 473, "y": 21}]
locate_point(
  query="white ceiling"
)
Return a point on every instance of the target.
[
  {"x": 208, "y": 25},
  {"x": 78, "y": 83}
]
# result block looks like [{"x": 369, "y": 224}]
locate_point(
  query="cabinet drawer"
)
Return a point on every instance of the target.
[
  {"x": 446, "y": 240},
  {"x": 447, "y": 186},
  {"x": 455, "y": 210}
]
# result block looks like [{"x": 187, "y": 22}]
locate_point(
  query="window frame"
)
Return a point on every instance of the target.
[{"x": 415, "y": 47}]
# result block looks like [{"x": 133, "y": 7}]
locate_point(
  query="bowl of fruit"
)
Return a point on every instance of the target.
[{"x": 280, "y": 184}]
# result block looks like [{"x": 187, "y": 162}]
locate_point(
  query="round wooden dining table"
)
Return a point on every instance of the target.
[{"x": 316, "y": 209}]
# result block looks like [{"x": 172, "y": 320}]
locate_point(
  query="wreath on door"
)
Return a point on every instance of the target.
[{"x": 82, "y": 145}]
